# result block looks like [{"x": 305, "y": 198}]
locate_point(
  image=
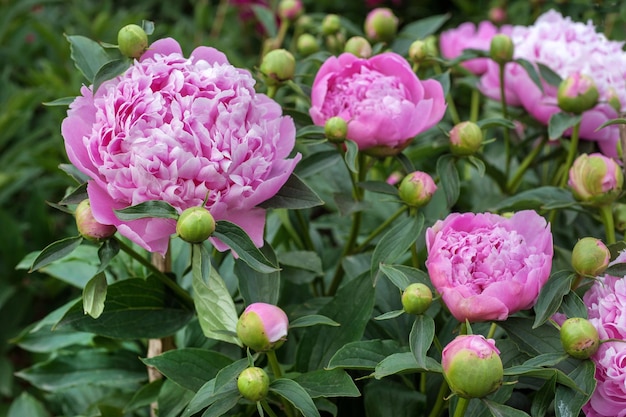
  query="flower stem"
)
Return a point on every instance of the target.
[
  {"x": 218, "y": 22},
  {"x": 609, "y": 226},
  {"x": 505, "y": 114},
  {"x": 273, "y": 361},
  {"x": 454, "y": 114},
  {"x": 474, "y": 105},
  {"x": 379, "y": 229},
  {"x": 492, "y": 330},
  {"x": 521, "y": 170},
  {"x": 573, "y": 150},
  {"x": 268, "y": 409},
  {"x": 461, "y": 407},
  {"x": 440, "y": 400},
  {"x": 167, "y": 281}
]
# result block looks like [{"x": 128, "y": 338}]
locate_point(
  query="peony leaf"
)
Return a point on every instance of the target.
[
  {"x": 532, "y": 72},
  {"x": 560, "y": 122},
  {"x": 543, "y": 339},
  {"x": 152, "y": 208},
  {"x": 235, "y": 237},
  {"x": 569, "y": 401},
  {"x": 444, "y": 80},
  {"x": 573, "y": 305},
  {"x": 543, "y": 399},
  {"x": 26, "y": 405},
  {"x": 76, "y": 196},
  {"x": 449, "y": 178},
  {"x": 379, "y": 187},
  {"x": 541, "y": 198},
  {"x": 109, "y": 71},
  {"x": 501, "y": 410},
  {"x": 363, "y": 355},
  {"x": 421, "y": 337},
  {"x": 256, "y": 286},
  {"x": 216, "y": 310},
  {"x": 55, "y": 251},
  {"x": 88, "y": 55},
  {"x": 294, "y": 194},
  {"x": 396, "y": 241},
  {"x": 402, "y": 363},
  {"x": 94, "y": 295},
  {"x": 620, "y": 121},
  {"x": 267, "y": 18},
  {"x": 63, "y": 101},
  {"x": 107, "y": 252},
  {"x": 73, "y": 172},
  {"x": 418, "y": 30},
  {"x": 389, "y": 315},
  {"x": 145, "y": 396},
  {"x": 296, "y": 395},
  {"x": 551, "y": 296},
  {"x": 315, "y": 163},
  {"x": 312, "y": 320},
  {"x": 495, "y": 122},
  {"x": 327, "y": 383},
  {"x": 394, "y": 398},
  {"x": 351, "y": 156},
  {"x": 549, "y": 75}
]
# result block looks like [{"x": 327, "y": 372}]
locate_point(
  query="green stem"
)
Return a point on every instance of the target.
[
  {"x": 440, "y": 401},
  {"x": 267, "y": 408},
  {"x": 492, "y": 330},
  {"x": 606, "y": 213},
  {"x": 505, "y": 114},
  {"x": 380, "y": 229},
  {"x": 521, "y": 170},
  {"x": 573, "y": 150},
  {"x": 461, "y": 407},
  {"x": 304, "y": 226},
  {"x": 454, "y": 114},
  {"x": 474, "y": 105},
  {"x": 167, "y": 281},
  {"x": 218, "y": 22},
  {"x": 273, "y": 361}
]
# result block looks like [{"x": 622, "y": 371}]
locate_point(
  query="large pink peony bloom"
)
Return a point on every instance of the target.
[
  {"x": 568, "y": 48},
  {"x": 179, "y": 130},
  {"x": 381, "y": 98},
  {"x": 487, "y": 267},
  {"x": 453, "y": 42},
  {"x": 606, "y": 304}
]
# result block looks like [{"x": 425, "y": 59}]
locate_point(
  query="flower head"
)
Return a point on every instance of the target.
[
  {"x": 383, "y": 101},
  {"x": 468, "y": 36},
  {"x": 180, "y": 130},
  {"x": 595, "y": 179},
  {"x": 262, "y": 327},
  {"x": 486, "y": 266}
]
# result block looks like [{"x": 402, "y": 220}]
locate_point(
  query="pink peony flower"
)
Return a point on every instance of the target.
[
  {"x": 382, "y": 99},
  {"x": 180, "y": 130},
  {"x": 566, "y": 47},
  {"x": 487, "y": 267},
  {"x": 452, "y": 42}
]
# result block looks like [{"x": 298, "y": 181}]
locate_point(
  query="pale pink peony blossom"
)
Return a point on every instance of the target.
[
  {"x": 453, "y": 42},
  {"x": 566, "y": 47},
  {"x": 180, "y": 130},
  {"x": 487, "y": 267},
  {"x": 381, "y": 98}
]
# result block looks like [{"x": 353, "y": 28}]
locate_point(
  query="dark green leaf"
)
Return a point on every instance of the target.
[
  {"x": 402, "y": 363},
  {"x": 533, "y": 341},
  {"x": 379, "y": 187},
  {"x": 616, "y": 248},
  {"x": 394, "y": 399},
  {"x": 294, "y": 194},
  {"x": 495, "y": 122},
  {"x": 153, "y": 208},
  {"x": 444, "y": 80},
  {"x": 255, "y": 286},
  {"x": 135, "y": 308},
  {"x": 311, "y": 132},
  {"x": 543, "y": 399},
  {"x": 216, "y": 309},
  {"x": 267, "y": 18},
  {"x": 147, "y": 26},
  {"x": 320, "y": 343},
  {"x": 312, "y": 320},
  {"x": 27, "y": 406},
  {"x": 501, "y": 410},
  {"x": 189, "y": 367},
  {"x": 73, "y": 172},
  {"x": 551, "y": 296},
  {"x": 109, "y": 71},
  {"x": 364, "y": 355},
  {"x": 532, "y": 72},
  {"x": 226, "y": 401},
  {"x": 389, "y": 315},
  {"x": 560, "y": 122},
  {"x": 306, "y": 260},
  {"x": 55, "y": 251},
  {"x": 64, "y": 101},
  {"x": 478, "y": 164},
  {"x": 568, "y": 401},
  {"x": 314, "y": 163},
  {"x": 351, "y": 156},
  {"x": 542, "y": 373},
  {"x": 173, "y": 399},
  {"x": 397, "y": 277},
  {"x": 449, "y": 179},
  {"x": 94, "y": 295},
  {"x": 421, "y": 337},
  {"x": 573, "y": 306},
  {"x": 541, "y": 198},
  {"x": 328, "y": 383},
  {"x": 620, "y": 121},
  {"x": 549, "y": 75},
  {"x": 397, "y": 241},
  {"x": 405, "y": 162},
  {"x": 86, "y": 367},
  {"x": 88, "y": 55},
  {"x": 147, "y": 395},
  {"x": 424, "y": 27},
  {"x": 107, "y": 252},
  {"x": 76, "y": 196},
  {"x": 616, "y": 270},
  {"x": 237, "y": 239},
  {"x": 296, "y": 395}
]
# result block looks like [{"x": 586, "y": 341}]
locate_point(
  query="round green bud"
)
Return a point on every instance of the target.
[
  {"x": 89, "y": 227},
  {"x": 416, "y": 189},
  {"x": 381, "y": 25},
  {"x": 595, "y": 179},
  {"x": 577, "y": 94},
  {"x": 590, "y": 257},
  {"x": 132, "y": 41},
  {"x": 358, "y": 46},
  {"x": 253, "y": 384},
  {"x": 416, "y": 298},
  {"x": 579, "y": 338},
  {"x": 290, "y": 9},
  {"x": 307, "y": 44},
  {"x": 418, "y": 51},
  {"x": 331, "y": 24},
  {"x": 466, "y": 138},
  {"x": 278, "y": 66},
  {"x": 336, "y": 129},
  {"x": 501, "y": 48},
  {"x": 195, "y": 225},
  {"x": 619, "y": 216}
]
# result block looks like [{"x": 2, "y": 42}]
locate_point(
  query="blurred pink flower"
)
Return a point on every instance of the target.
[
  {"x": 381, "y": 98},
  {"x": 566, "y": 47},
  {"x": 487, "y": 267},
  {"x": 452, "y": 42},
  {"x": 180, "y": 130}
]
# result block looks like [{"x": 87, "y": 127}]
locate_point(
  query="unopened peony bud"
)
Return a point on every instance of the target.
[
  {"x": 466, "y": 138},
  {"x": 416, "y": 298},
  {"x": 278, "y": 66},
  {"x": 497, "y": 14},
  {"x": 253, "y": 384},
  {"x": 590, "y": 257},
  {"x": 331, "y": 24},
  {"x": 418, "y": 51},
  {"x": 579, "y": 338},
  {"x": 290, "y": 9},
  {"x": 358, "y": 46},
  {"x": 619, "y": 216},
  {"x": 577, "y": 94},
  {"x": 262, "y": 327},
  {"x": 132, "y": 41},
  {"x": 381, "y": 25},
  {"x": 595, "y": 179},
  {"x": 336, "y": 129},
  {"x": 416, "y": 189},
  {"x": 472, "y": 366},
  {"x": 307, "y": 44},
  {"x": 195, "y": 225},
  {"x": 614, "y": 101},
  {"x": 89, "y": 227},
  {"x": 501, "y": 48}
]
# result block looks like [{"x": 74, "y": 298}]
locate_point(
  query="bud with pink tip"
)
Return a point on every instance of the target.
[
  {"x": 466, "y": 138},
  {"x": 290, "y": 9},
  {"x": 590, "y": 257},
  {"x": 577, "y": 94},
  {"x": 381, "y": 25},
  {"x": 358, "y": 46},
  {"x": 595, "y": 179},
  {"x": 262, "y": 327},
  {"x": 417, "y": 188},
  {"x": 89, "y": 227}
]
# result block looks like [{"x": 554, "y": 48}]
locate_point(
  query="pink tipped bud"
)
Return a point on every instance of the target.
[
  {"x": 89, "y": 227},
  {"x": 466, "y": 138},
  {"x": 262, "y": 327},
  {"x": 416, "y": 298},
  {"x": 497, "y": 14},
  {"x": 595, "y": 179},
  {"x": 358, "y": 46},
  {"x": 253, "y": 384},
  {"x": 577, "y": 94},
  {"x": 290, "y": 9},
  {"x": 132, "y": 41},
  {"x": 590, "y": 257},
  {"x": 472, "y": 366},
  {"x": 417, "y": 188},
  {"x": 579, "y": 338},
  {"x": 381, "y": 25},
  {"x": 195, "y": 225},
  {"x": 501, "y": 48}
]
